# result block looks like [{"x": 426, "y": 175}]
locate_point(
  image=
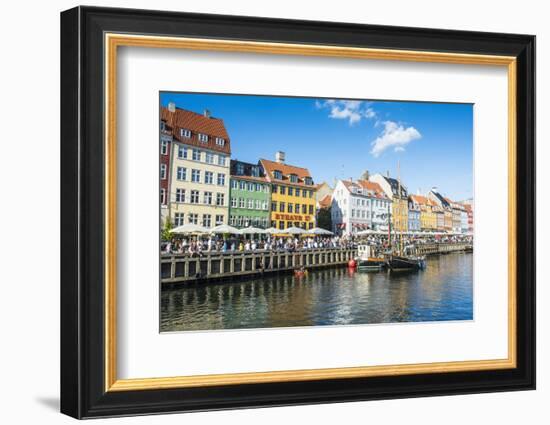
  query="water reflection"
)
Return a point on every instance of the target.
[{"x": 326, "y": 297}]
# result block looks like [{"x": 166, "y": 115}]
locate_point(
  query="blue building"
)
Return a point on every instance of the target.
[{"x": 414, "y": 216}]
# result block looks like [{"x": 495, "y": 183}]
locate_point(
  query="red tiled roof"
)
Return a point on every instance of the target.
[
  {"x": 375, "y": 188},
  {"x": 422, "y": 200},
  {"x": 286, "y": 170},
  {"x": 325, "y": 202},
  {"x": 197, "y": 123}
]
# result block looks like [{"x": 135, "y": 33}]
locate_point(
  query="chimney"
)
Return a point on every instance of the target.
[
  {"x": 206, "y": 113},
  {"x": 387, "y": 173},
  {"x": 280, "y": 157},
  {"x": 171, "y": 106}
]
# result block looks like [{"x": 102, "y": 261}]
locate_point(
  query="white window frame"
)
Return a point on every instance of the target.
[
  {"x": 164, "y": 147},
  {"x": 194, "y": 173},
  {"x": 203, "y": 138},
  {"x": 163, "y": 171},
  {"x": 206, "y": 174},
  {"x": 222, "y": 177},
  {"x": 184, "y": 132},
  {"x": 181, "y": 173},
  {"x": 180, "y": 193},
  {"x": 220, "y": 141},
  {"x": 182, "y": 152},
  {"x": 179, "y": 219}
]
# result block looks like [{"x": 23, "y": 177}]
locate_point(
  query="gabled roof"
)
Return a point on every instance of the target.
[
  {"x": 325, "y": 202},
  {"x": 419, "y": 199},
  {"x": 370, "y": 189},
  {"x": 286, "y": 170},
  {"x": 197, "y": 123}
]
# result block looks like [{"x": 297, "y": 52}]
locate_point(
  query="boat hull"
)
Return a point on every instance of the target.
[
  {"x": 370, "y": 264},
  {"x": 405, "y": 263}
]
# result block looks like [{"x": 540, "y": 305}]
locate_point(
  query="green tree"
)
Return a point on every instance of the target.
[
  {"x": 165, "y": 234},
  {"x": 324, "y": 218}
]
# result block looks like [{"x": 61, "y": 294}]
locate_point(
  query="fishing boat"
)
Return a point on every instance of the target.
[
  {"x": 402, "y": 262},
  {"x": 366, "y": 261}
]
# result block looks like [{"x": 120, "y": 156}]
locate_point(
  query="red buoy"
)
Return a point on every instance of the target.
[{"x": 352, "y": 264}]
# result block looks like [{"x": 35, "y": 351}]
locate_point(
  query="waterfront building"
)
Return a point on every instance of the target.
[
  {"x": 439, "y": 216},
  {"x": 456, "y": 210},
  {"x": 442, "y": 202},
  {"x": 165, "y": 162},
  {"x": 198, "y": 171},
  {"x": 414, "y": 216},
  {"x": 292, "y": 194},
  {"x": 359, "y": 205},
  {"x": 324, "y": 212},
  {"x": 249, "y": 196},
  {"x": 397, "y": 192},
  {"x": 469, "y": 207}
]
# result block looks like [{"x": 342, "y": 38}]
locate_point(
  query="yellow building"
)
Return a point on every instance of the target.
[
  {"x": 428, "y": 217},
  {"x": 292, "y": 194},
  {"x": 400, "y": 204}
]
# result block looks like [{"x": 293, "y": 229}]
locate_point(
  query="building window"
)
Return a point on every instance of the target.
[
  {"x": 209, "y": 158},
  {"x": 185, "y": 133},
  {"x": 220, "y": 141},
  {"x": 163, "y": 171},
  {"x": 242, "y": 185},
  {"x": 250, "y": 204},
  {"x": 298, "y": 192},
  {"x": 290, "y": 207},
  {"x": 209, "y": 177},
  {"x": 304, "y": 209},
  {"x": 179, "y": 219},
  {"x": 196, "y": 176},
  {"x": 274, "y": 206},
  {"x": 282, "y": 207},
  {"x": 308, "y": 180},
  {"x": 203, "y": 138},
  {"x": 282, "y": 190},
  {"x": 290, "y": 191},
  {"x": 281, "y": 225},
  {"x": 163, "y": 196},
  {"x": 264, "y": 205},
  {"x": 164, "y": 147},
  {"x": 208, "y": 198},
  {"x": 163, "y": 126},
  {"x": 193, "y": 218},
  {"x": 221, "y": 160},
  {"x": 180, "y": 195},
  {"x": 275, "y": 188},
  {"x": 311, "y": 209},
  {"x": 258, "y": 204},
  {"x": 310, "y": 226},
  {"x": 234, "y": 184},
  {"x": 219, "y": 219},
  {"x": 206, "y": 220},
  {"x": 220, "y": 201},
  {"x": 311, "y": 193},
  {"x": 294, "y": 178},
  {"x": 233, "y": 202},
  {"x": 196, "y": 155},
  {"x": 194, "y": 196},
  {"x": 255, "y": 171},
  {"x": 181, "y": 173},
  {"x": 277, "y": 174},
  {"x": 241, "y": 202},
  {"x": 182, "y": 152},
  {"x": 221, "y": 179}
]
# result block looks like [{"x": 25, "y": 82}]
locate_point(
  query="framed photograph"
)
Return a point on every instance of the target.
[{"x": 261, "y": 212}]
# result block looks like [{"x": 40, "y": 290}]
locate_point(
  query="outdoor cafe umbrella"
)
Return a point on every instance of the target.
[
  {"x": 251, "y": 231},
  {"x": 294, "y": 230},
  {"x": 272, "y": 231},
  {"x": 190, "y": 228},
  {"x": 319, "y": 231},
  {"x": 225, "y": 228}
]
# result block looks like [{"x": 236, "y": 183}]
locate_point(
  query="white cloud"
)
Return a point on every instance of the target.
[
  {"x": 394, "y": 135},
  {"x": 351, "y": 110}
]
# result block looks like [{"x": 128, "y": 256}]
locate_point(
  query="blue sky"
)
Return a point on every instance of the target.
[{"x": 433, "y": 142}]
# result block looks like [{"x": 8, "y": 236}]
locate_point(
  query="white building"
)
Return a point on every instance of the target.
[{"x": 358, "y": 206}]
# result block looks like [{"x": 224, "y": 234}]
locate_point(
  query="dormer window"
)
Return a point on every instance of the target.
[
  {"x": 255, "y": 171},
  {"x": 185, "y": 133},
  {"x": 294, "y": 178},
  {"x": 163, "y": 126},
  {"x": 220, "y": 141},
  {"x": 308, "y": 181},
  {"x": 240, "y": 169},
  {"x": 278, "y": 175},
  {"x": 203, "y": 138}
]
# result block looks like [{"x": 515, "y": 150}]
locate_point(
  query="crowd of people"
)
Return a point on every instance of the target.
[{"x": 200, "y": 246}]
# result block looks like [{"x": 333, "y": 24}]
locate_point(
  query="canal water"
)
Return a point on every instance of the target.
[{"x": 337, "y": 296}]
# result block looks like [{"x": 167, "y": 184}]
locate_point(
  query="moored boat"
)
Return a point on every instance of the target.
[
  {"x": 400, "y": 262},
  {"x": 366, "y": 261}
]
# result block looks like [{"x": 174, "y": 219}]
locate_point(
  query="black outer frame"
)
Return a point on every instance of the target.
[{"x": 82, "y": 212}]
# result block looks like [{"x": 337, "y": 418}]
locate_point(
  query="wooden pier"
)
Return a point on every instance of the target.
[
  {"x": 183, "y": 268},
  {"x": 441, "y": 248}
]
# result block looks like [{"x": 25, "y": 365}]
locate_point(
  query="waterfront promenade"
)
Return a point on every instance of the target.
[{"x": 216, "y": 265}]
